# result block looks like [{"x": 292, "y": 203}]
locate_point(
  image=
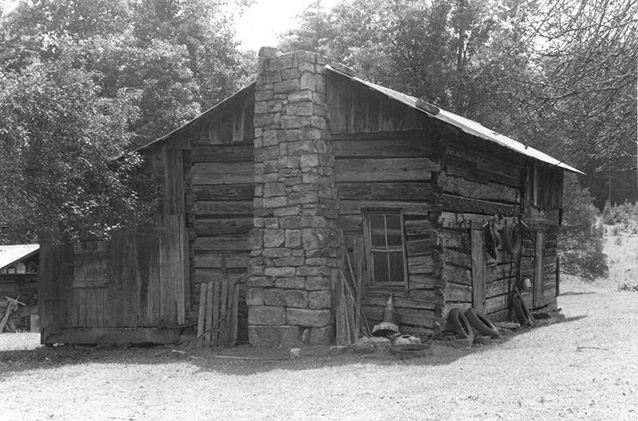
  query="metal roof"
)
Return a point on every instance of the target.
[
  {"x": 12, "y": 254},
  {"x": 467, "y": 125}
]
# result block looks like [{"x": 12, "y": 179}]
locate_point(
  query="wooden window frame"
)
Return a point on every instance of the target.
[{"x": 369, "y": 249}]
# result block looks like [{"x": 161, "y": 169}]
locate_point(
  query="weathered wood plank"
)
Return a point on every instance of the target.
[
  {"x": 220, "y": 209},
  {"x": 402, "y": 191},
  {"x": 423, "y": 281},
  {"x": 384, "y": 169},
  {"x": 458, "y": 258},
  {"x": 392, "y": 145},
  {"x": 232, "y": 226},
  {"x": 457, "y": 274},
  {"x": 221, "y": 244},
  {"x": 224, "y": 153},
  {"x": 419, "y": 247},
  {"x": 214, "y": 275},
  {"x": 224, "y": 192},
  {"x": 497, "y": 288},
  {"x": 222, "y": 173},
  {"x": 414, "y": 299},
  {"x": 209, "y": 259},
  {"x": 418, "y": 228},
  {"x": 495, "y": 304},
  {"x": 456, "y": 239},
  {"x": 467, "y": 205},
  {"x": 484, "y": 191},
  {"x": 478, "y": 268},
  {"x": 351, "y": 207},
  {"x": 466, "y": 169},
  {"x": 421, "y": 264},
  {"x": 458, "y": 292}
]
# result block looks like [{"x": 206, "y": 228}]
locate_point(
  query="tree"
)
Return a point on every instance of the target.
[
  {"x": 82, "y": 83},
  {"x": 588, "y": 51},
  {"x": 463, "y": 55},
  {"x": 180, "y": 54},
  {"x": 315, "y": 32},
  {"x": 60, "y": 140}
]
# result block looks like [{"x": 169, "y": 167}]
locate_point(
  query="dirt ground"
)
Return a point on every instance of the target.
[{"x": 585, "y": 368}]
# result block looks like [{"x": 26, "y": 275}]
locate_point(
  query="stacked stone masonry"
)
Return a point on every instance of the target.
[{"x": 295, "y": 242}]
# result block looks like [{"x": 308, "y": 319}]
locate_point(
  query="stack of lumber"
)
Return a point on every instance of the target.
[{"x": 347, "y": 292}]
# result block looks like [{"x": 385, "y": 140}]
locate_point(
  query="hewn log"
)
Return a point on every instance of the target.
[
  {"x": 390, "y": 146},
  {"x": 401, "y": 191},
  {"x": 384, "y": 169}
]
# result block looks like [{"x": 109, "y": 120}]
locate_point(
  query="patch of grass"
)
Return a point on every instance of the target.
[{"x": 625, "y": 286}]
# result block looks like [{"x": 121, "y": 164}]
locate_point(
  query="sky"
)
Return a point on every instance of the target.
[{"x": 261, "y": 23}]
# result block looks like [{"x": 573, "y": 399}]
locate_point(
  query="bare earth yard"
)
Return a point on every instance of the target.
[{"x": 585, "y": 368}]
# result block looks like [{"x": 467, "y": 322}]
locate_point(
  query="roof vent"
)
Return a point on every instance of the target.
[{"x": 427, "y": 107}]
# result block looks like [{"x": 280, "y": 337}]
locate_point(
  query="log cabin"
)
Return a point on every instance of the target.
[{"x": 305, "y": 171}]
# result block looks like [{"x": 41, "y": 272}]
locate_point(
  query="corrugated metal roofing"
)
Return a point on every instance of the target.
[
  {"x": 468, "y": 126},
  {"x": 12, "y": 254}
]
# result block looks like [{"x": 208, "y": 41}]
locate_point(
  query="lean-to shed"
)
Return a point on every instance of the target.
[
  {"x": 19, "y": 279},
  {"x": 273, "y": 183}
]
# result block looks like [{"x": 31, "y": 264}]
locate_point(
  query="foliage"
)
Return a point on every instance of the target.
[
  {"x": 624, "y": 216},
  {"x": 559, "y": 75},
  {"x": 581, "y": 238},
  {"x": 83, "y": 83},
  {"x": 59, "y": 139}
]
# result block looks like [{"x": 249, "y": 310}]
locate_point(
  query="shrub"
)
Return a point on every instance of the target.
[{"x": 580, "y": 244}]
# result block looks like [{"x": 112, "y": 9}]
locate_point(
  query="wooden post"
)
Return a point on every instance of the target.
[
  {"x": 234, "y": 314},
  {"x": 538, "y": 270},
  {"x": 479, "y": 267},
  {"x": 209, "y": 312},
  {"x": 223, "y": 325},
  {"x": 216, "y": 325},
  {"x": 202, "y": 309}
]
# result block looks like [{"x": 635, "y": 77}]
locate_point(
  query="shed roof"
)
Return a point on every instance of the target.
[
  {"x": 13, "y": 254},
  {"x": 467, "y": 125}
]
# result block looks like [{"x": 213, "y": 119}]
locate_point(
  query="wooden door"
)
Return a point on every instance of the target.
[
  {"x": 479, "y": 267},
  {"x": 539, "y": 287}
]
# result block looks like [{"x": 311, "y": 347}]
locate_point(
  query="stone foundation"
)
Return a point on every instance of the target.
[{"x": 295, "y": 242}]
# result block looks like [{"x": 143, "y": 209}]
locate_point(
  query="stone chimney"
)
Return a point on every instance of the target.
[{"x": 295, "y": 242}]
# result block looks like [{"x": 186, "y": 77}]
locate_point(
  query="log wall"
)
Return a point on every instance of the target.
[
  {"x": 480, "y": 180},
  {"x": 391, "y": 170}
]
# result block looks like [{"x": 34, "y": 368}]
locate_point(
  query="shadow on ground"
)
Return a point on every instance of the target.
[{"x": 241, "y": 360}]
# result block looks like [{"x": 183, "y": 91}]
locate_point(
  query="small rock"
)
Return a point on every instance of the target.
[
  {"x": 337, "y": 350},
  {"x": 380, "y": 343},
  {"x": 364, "y": 346},
  {"x": 406, "y": 340}
]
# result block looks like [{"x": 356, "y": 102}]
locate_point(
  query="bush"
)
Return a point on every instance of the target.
[
  {"x": 623, "y": 216},
  {"x": 580, "y": 244}
]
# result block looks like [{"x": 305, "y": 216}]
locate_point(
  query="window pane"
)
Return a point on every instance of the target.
[
  {"x": 394, "y": 230},
  {"x": 396, "y": 267},
  {"x": 377, "y": 230},
  {"x": 380, "y": 262}
]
